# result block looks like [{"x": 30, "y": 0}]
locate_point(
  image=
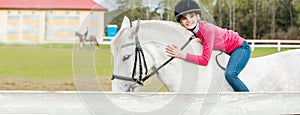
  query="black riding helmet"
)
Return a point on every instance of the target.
[{"x": 186, "y": 6}]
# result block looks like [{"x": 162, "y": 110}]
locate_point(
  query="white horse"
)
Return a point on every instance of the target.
[{"x": 276, "y": 72}]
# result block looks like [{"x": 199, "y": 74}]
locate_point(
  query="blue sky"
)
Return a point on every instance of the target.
[{"x": 111, "y": 4}]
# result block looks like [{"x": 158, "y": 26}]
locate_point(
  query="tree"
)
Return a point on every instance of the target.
[
  {"x": 273, "y": 22},
  {"x": 254, "y": 18},
  {"x": 296, "y": 4},
  {"x": 284, "y": 16},
  {"x": 220, "y": 5},
  {"x": 291, "y": 12}
]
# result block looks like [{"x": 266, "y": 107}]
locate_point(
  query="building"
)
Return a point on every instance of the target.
[{"x": 49, "y": 21}]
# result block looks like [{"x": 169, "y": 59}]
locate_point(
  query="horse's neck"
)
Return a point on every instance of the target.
[{"x": 156, "y": 56}]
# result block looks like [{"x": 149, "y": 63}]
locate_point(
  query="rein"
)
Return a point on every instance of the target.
[{"x": 216, "y": 58}]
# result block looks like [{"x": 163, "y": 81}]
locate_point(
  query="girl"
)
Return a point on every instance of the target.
[{"x": 187, "y": 13}]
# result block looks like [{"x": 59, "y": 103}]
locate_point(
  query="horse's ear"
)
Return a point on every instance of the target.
[
  {"x": 136, "y": 27},
  {"x": 125, "y": 23}
]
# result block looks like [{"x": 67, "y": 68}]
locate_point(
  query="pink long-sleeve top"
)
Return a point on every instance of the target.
[{"x": 214, "y": 38}]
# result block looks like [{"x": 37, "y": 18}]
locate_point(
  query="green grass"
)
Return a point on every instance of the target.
[
  {"x": 53, "y": 62},
  {"x": 35, "y": 62},
  {"x": 258, "y": 52},
  {"x": 45, "y": 62},
  {"x": 104, "y": 61}
]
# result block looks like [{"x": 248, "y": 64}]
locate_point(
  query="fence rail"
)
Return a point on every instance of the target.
[
  {"x": 274, "y": 44},
  {"x": 107, "y": 40}
]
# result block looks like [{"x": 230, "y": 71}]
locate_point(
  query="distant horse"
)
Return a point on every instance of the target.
[
  {"x": 92, "y": 39},
  {"x": 139, "y": 48}
]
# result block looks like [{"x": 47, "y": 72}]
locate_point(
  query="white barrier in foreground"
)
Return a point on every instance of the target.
[{"x": 70, "y": 103}]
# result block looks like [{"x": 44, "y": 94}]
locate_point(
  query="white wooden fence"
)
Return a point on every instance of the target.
[{"x": 274, "y": 44}]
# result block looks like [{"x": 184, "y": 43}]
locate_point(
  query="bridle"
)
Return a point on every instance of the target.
[{"x": 139, "y": 56}]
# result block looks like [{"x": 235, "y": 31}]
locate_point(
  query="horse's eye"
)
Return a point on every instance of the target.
[{"x": 126, "y": 57}]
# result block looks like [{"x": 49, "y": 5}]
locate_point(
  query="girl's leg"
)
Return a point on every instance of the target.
[{"x": 238, "y": 60}]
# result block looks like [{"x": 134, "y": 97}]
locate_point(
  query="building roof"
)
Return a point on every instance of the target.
[{"x": 51, "y": 4}]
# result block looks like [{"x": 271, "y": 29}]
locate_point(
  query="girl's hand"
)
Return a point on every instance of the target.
[
  {"x": 174, "y": 51},
  {"x": 193, "y": 37}
]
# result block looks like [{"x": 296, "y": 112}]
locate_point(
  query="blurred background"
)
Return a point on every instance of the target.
[{"x": 37, "y": 37}]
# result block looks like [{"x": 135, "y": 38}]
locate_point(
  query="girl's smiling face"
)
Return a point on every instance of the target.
[{"x": 190, "y": 20}]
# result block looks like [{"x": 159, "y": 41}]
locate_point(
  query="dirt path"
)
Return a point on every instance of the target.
[{"x": 45, "y": 85}]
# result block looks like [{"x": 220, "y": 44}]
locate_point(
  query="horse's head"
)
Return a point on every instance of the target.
[
  {"x": 124, "y": 53},
  {"x": 78, "y": 34}
]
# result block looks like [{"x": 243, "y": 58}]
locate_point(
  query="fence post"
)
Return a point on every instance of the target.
[
  {"x": 278, "y": 45},
  {"x": 252, "y": 44}
]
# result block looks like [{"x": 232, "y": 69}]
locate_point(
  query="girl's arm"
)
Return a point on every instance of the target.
[{"x": 207, "y": 35}]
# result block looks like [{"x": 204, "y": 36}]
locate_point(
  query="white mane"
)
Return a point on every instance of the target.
[
  {"x": 159, "y": 24},
  {"x": 168, "y": 26}
]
